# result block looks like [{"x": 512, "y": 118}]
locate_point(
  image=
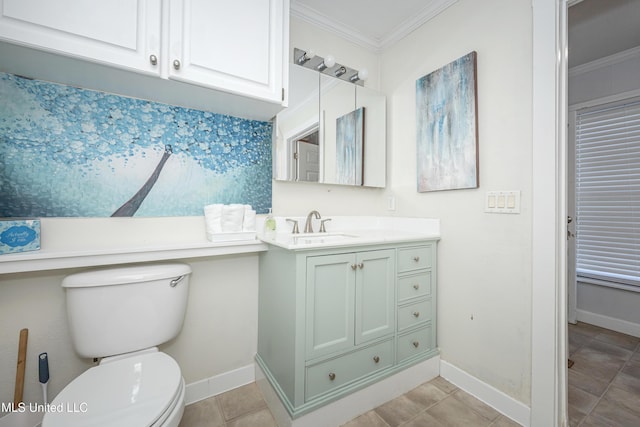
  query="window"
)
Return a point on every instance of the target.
[{"x": 608, "y": 193}]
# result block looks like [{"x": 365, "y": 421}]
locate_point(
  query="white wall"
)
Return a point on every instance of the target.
[
  {"x": 219, "y": 333},
  {"x": 616, "y": 76},
  {"x": 484, "y": 266}
]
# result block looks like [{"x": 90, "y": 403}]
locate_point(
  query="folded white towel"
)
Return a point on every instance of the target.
[
  {"x": 232, "y": 218},
  {"x": 249, "y": 222},
  {"x": 213, "y": 218}
]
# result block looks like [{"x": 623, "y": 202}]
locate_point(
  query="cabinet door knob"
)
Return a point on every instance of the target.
[
  {"x": 416, "y": 258},
  {"x": 153, "y": 59},
  {"x": 361, "y": 265},
  {"x": 416, "y": 344},
  {"x": 376, "y": 359},
  {"x": 416, "y": 286},
  {"x": 332, "y": 376},
  {"x": 416, "y": 314},
  {"x": 176, "y": 64},
  {"x": 353, "y": 266}
]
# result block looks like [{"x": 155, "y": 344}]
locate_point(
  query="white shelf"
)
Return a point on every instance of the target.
[{"x": 55, "y": 260}]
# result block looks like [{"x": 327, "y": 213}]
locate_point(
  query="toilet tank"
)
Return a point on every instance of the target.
[{"x": 119, "y": 310}]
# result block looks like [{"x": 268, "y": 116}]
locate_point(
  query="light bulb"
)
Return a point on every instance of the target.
[
  {"x": 329, "y": 61},
  {"x": 361, "y": 75},
  {"x": 309, "y": 54}
]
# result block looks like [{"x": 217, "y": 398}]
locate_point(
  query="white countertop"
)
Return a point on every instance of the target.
[
  {"x": 71, "y": 243},
  {"x": 347, "y": 238},
  {"x": 54, "y": 259},
  {"x": 348, "y": 231}
]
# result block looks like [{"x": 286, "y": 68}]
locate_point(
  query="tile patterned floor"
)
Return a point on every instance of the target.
[
  {"x": 604, "y": 382},
  {"x": 604, "y": 391},
  {"x": 436, "y": 403}
]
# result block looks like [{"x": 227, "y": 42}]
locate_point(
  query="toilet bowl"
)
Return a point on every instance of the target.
[
  {"x": 115, "y": 314},
  {"x": 145, "y": 389}
]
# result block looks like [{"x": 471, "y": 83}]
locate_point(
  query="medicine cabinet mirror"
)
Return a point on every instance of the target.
[{"x": 334, "y": 132}]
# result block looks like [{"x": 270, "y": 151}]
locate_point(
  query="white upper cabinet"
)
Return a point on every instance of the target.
[
  {"x": 123, "y": 33},
  {"x": 236, "y": 46}
]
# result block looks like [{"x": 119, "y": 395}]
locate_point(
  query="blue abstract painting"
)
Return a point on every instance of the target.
[
  {"x": 69, "y": 152},
  {"x": 350, "y": 147},
  {"x": 446, "y": 127}
]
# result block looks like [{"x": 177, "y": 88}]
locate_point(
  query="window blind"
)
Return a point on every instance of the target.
[{"x": 608, "y": 192}]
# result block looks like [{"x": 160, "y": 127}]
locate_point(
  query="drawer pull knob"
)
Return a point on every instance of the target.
[
  {"x": 416, "y": 258},
  {"x": 176, "y": 64},
  {"x": 416, "y": 286},
  {"x": 153, "y": 59},
  {"x": 376, "y": 359},
  {"x": 416, "y": 314},
  {"x": 416, "y": 344},
  {"x": 354, "y": 266},
  {"x": 332, "y": 376},
  {"x": 361, "y": 265}
]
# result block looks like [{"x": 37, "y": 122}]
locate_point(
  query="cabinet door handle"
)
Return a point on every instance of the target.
[
  {"x": 176, "y": 64},
  {"x": 361, "y": 265},
  {"x": 416, "y": 258},
  {"x": 153, "y": 59},
  {"x": 416, "y": 314},
  {"x": 416, "y": 286},
  {"x": 332, "y": 376},
  {"x": 376, "y": 359},
  {"x": 416, "y": 344},
  {"x": 353, "y": 266}
]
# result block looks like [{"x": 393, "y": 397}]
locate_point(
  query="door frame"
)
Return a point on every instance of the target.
[{"x": 549, "y": 228}]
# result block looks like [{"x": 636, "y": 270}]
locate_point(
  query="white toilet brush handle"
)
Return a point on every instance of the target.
[{"x": 44, "y": 392}]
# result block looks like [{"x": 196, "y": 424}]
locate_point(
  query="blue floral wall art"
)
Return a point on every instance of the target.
[
  {"x": 446, "y": 127},
  {"x": 69, "y": 152}
]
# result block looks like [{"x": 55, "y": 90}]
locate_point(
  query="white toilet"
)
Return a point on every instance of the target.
[{"x": 121, "y": 314}]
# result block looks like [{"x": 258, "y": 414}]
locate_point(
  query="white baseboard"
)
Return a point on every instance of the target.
[
  {"x": 366, "y": 399},
  {"x": 215, "y": 385},
  {"x": 347, "y": 408},
  {"x": 506, "y": 405},
  {"x": 618, "y": 325}
]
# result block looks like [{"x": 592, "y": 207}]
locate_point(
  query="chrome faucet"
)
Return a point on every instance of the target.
[{"x": 308, "y": 226}]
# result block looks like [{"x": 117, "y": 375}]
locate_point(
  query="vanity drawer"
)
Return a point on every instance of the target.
[
  {"x": 338, "y": 371},
  {"x": 414, "y": 342},
  {"x": 415, "y": 258},
  {"x": 417, "y": 285},
  {"x": 414, "y": 314}
]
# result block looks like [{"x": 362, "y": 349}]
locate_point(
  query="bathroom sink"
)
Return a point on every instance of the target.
[
  {"x": 317, "y": 238},
  {"x": 312, "y": 240}
]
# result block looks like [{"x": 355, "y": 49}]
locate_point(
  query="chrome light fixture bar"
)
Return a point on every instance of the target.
[{"x": 328, "y": 65}]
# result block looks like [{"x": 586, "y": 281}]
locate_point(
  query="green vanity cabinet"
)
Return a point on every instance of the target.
[
  {"x": 331, "y": 321},
  {"x": 350, "y": 300}
]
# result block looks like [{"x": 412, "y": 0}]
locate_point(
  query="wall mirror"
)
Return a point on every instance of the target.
[{"x": 333, "y": 132}]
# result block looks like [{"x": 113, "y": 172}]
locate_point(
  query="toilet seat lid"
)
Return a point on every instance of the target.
[{"x": 134, "y": 391}]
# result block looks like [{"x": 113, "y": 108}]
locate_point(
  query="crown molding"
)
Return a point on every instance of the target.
[
  {"x": 605, "y": 61},
  {"x": 322, "y": 21},
  {"x": 375, "y": 45},
  {"x": 433, "y": 9}
]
